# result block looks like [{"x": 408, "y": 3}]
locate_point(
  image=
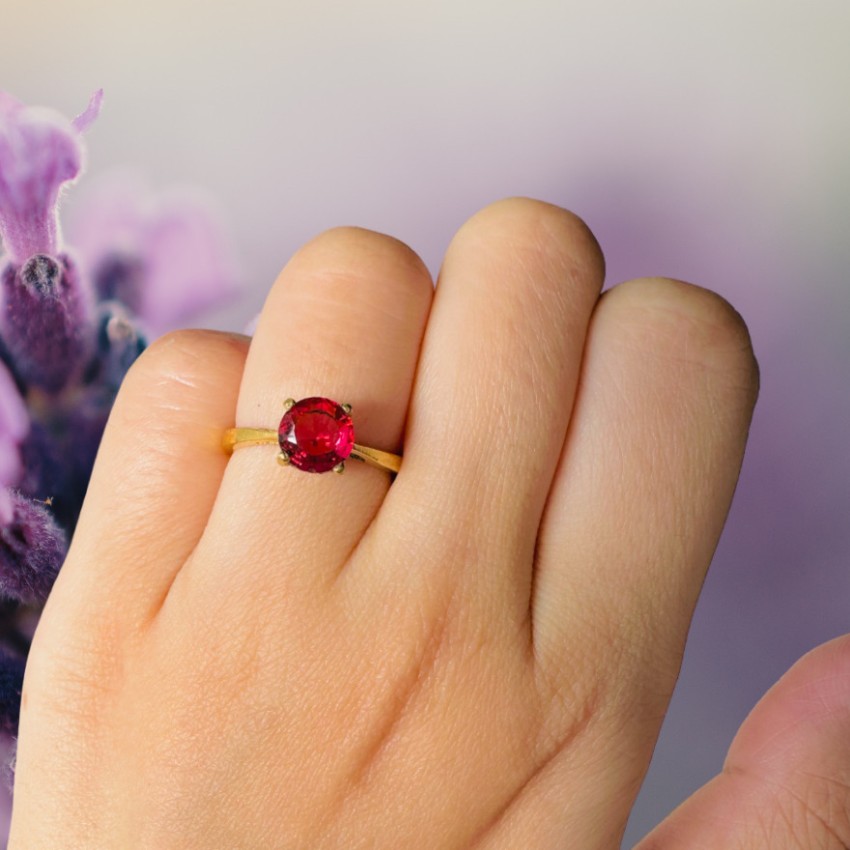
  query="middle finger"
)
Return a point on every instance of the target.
[{"x": 492, "y": 401}]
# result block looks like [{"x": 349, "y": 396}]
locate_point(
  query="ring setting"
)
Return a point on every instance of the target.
[{"x": 315, "y": 434}]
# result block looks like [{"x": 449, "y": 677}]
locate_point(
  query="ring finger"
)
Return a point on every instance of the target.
[{"x": 344, "y": 321}]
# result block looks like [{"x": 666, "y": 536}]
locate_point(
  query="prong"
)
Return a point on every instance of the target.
[
  {"x": 288, "y": 403},
  {"x": 283, "y": 458},
  {"x": 346, "y": 407},
  {"x": 340, "y": 467}
]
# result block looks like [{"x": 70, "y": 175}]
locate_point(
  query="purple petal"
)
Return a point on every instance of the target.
[
  {"x": 90, "y": 113},
  {"x": 167, "y": 256},
  {"x": 110, "y": 214},
  {"x": 9, "y": 106},
  {"x": 32, "y": 549},
  {"x": 45, "y": 320},
  {"x": 39, "y": 151},
  {"x": 190, "y": 270}
]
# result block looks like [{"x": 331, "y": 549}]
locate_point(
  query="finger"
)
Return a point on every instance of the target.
[
  {"x": 786, "y": 780},
  {"x": 156, "y": 474},
  {"x": 665, "y": 399},
  {"x": 493, "y": 397},
  {"x": 344, "y": 321},
  {"x": 667, "y": 392}
]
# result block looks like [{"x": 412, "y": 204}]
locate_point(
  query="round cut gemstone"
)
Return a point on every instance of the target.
[{"x": 316, "y": 433}]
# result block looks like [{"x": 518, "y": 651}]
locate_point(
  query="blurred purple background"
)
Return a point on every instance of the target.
[{"x": 707, "y": 142}]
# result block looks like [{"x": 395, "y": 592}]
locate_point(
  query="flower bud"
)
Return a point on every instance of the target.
[
  {"x": 118, "y": 342},
  {"x": 45, "y": 319},
  {"x": 32, "y": 549}
]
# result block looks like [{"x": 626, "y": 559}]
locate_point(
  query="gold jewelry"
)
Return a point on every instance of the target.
[{"x": 315, "y": 435}]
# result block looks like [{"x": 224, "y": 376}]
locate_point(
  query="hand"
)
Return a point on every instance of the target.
[{"x": 478, "y": 653}]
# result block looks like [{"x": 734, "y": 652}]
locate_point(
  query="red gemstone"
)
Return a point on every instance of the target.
[{"x": 316, "y": 433}]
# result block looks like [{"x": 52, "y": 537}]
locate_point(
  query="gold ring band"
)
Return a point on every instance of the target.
[{"x": 236, "y": 437}]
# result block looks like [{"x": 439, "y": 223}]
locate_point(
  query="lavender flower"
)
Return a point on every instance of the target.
[
  {"x": 32, "y": 548},
  {"x": 119, "y": 342},
  {"x": 72, "y": 322},
  {"x": 44, "y": 318},
  {"x": 165, "y": 257},
  {"x": 39, "y": 151}
]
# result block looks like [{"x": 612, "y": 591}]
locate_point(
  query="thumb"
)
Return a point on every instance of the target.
[{"x": 786, "y": 780}]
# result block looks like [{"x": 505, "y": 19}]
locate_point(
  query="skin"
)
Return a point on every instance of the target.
[{"x": 476, "y": 654}]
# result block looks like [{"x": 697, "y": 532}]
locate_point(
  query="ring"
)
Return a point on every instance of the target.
[{"x": 315, "y": 435}]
